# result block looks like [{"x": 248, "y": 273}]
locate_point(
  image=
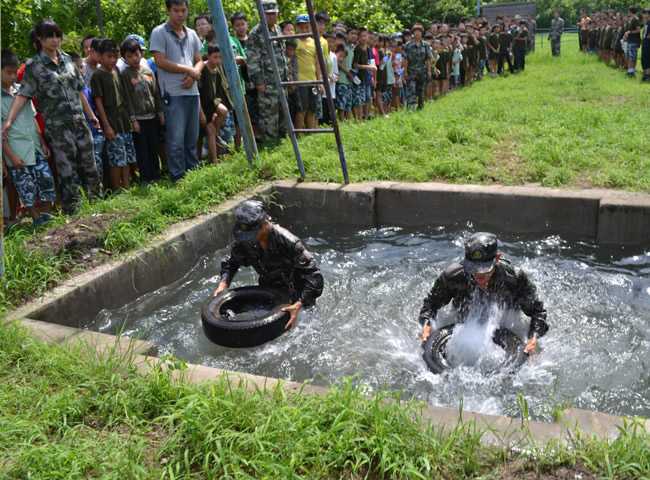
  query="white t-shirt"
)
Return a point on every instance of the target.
[{"x": 333, "y": 69}]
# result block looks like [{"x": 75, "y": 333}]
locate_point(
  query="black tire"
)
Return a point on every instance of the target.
[
  {"x": 230, "y": 333},
  {"x": 436, "y": 360}
]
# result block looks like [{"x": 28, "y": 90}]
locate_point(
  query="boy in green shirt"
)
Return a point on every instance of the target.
[
  {"x": 24, "y": 150},
  {"x": 113, "y": 112}
]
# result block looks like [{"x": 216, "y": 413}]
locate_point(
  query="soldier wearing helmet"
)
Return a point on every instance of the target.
[
  {"x": 277, "y": 255},
  {"x": 484, "y": 275}
]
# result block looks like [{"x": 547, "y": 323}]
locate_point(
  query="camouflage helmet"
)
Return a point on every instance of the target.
[
  {"x": 481, "y": 250},
  {"x": 249, "y": 217},
  {"x": 270, "y": 6}
]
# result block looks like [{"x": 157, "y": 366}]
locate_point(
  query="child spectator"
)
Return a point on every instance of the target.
[
  {"x": 361, "y": 61},
  {"x": 308, "y": 70},
  {"x": 505, "y": 45},
  {"x": 292, "y": 90},
  {"x": 332, "y": 76},
  {"x": 91, "y": 62},
  {"x": 215, "y": 100},
  {"x": 145, "y": 108},
  {"x": 113, "y": 112},
  {"x": 382, "y": 75},
  {"x": 442, "y": 66},
  {"x": 345, "y": 87},
  {"x": 482, "y": 51},
  {"x": 98, "y": 135},
  {"x": 633, "y": 39},
  {"x": 24, "y": 150},
  {"x": 456, "y": 59},
  {"x": 521, "y": 46},
  {"x": 398, "y": 86},
  {"x": 493, "y": 49}
]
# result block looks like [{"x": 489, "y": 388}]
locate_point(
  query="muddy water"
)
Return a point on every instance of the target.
[{"x": 596, "y": 354}]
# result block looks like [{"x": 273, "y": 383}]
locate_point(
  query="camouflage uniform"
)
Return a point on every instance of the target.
[
  {"x": 509, "y": 287},
  {"x": 57, "y": 88},
  {"x": 417, "y": 69},
  {"x": 284, "y": 264},
  {"x": 271, "y": 118},
  {"x": 555, "y": 35}
]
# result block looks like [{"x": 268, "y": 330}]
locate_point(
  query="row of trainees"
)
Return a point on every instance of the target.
[
  {"x": 482, "y": 277},
  {"x": 618, "y": 37}
]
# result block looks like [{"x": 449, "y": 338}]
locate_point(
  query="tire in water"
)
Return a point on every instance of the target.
[
  {"x": 435, "y": 357},
  {"x": 227, "y": 332}
]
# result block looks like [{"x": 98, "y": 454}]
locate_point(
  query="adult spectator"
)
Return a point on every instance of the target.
[
  {"x": 177, "y": 52},
  {"x": 53, "y": 77},
  {"x": 532, "y": 29},
  {"x": 273, "y": 125},
  {"x": 633, "y": 39},
  {"x": 203, "y": 24},
  {"x": 555, "y": 33}
]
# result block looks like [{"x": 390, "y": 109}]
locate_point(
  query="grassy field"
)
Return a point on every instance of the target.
[{"x": 70, "y": 414}]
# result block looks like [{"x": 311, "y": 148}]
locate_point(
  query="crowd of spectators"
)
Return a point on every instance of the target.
[
  {"x": 617, "y": 36},
  {"x": 114, "y": 115}
]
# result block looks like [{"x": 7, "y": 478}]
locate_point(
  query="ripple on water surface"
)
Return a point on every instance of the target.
[{"x": 596, "y": 354}]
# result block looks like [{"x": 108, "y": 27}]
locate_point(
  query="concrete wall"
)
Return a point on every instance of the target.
[{"x": 607, "y": 217}]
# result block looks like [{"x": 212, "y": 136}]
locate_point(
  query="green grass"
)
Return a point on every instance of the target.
[
  {"x": 568, "y": 121},
  {"x": 69, "y": 413}
]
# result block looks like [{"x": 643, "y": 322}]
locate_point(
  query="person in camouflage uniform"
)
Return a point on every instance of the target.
[
  {"x": 54, "y": 79},
  {"x": 416, "y": 61},
  {"x": 483, "y": 278},
  {"x": 277, "y": 255},
  {"x": 555, "y": 33},
  {"x": 272, "y": 123}
]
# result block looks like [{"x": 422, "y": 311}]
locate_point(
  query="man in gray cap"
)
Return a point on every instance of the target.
[
  {"x": 484, "y": 275},
  {"x": 277, "y": 255},
  {"x": 273, "y": 125}
]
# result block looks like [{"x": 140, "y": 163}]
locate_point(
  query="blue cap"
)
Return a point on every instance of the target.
[
  {"x": 303, "y": 18},
  {"x": 138, "y": 38}
]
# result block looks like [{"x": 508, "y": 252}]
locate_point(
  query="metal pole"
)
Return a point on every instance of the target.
[
  {"x": 100, "y": 22},
  {"x": 278, "y": 82},
  {"x": 478, "y": 8},
  {"x": 234, "y": 82},
  {"x": 328, "y": 93}
]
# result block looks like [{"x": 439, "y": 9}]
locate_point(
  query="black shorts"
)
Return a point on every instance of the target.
[
  {"x": 645, "y": 54},
  {"x": 308, "y": 96}
]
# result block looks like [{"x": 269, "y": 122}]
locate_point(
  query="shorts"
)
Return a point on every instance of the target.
[
  {"x": 228, "y": 130},
  {"x": 359, "y": 97},
  {"x": 34, "y": 181},
  {"x": 368, "y": 93},
  {"x": 98, "y": 148},
  {"x": 481, "y": 65},
  {"x": 344, "y": 97},
  {"x": 120, "y": 150},
  {"x": 632, "y": 51},
  {"x": 387, "y": 96},
  {"x": 403, "y": 92},
  {"x": 308, "y": 99}
]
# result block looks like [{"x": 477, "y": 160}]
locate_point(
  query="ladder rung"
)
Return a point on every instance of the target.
[
  {"x": 289, "y": 37},
  {"x": 303, "y": 82},
  {"x": 318, "y": 130}
]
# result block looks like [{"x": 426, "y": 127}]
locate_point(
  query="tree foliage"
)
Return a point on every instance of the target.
[{"x": 123, "y": 17}]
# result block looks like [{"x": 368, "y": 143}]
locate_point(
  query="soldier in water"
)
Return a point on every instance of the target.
[
  {"x": 277, "y": 255},
  {"x": 484, "y": 276}
]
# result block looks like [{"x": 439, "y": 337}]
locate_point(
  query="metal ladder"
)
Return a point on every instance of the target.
[{"x": 325, "y": 82}]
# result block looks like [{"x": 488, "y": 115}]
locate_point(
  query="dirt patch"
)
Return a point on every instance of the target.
[
  {"x": 75, "y": 236},
  {"x": 513, "y": 471}
]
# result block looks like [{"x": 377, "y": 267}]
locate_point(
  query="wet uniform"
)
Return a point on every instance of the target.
[
  {"x": 285, "y": 264},
  {"x": 509, "y": 286}
]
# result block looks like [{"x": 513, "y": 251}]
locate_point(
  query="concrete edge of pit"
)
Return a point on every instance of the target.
[{"x": 608, "y": 217}]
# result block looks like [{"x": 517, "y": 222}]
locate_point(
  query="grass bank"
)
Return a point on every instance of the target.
[
  {"x": 568, "y": 121},
  {"x": 69, "y": 413}
]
